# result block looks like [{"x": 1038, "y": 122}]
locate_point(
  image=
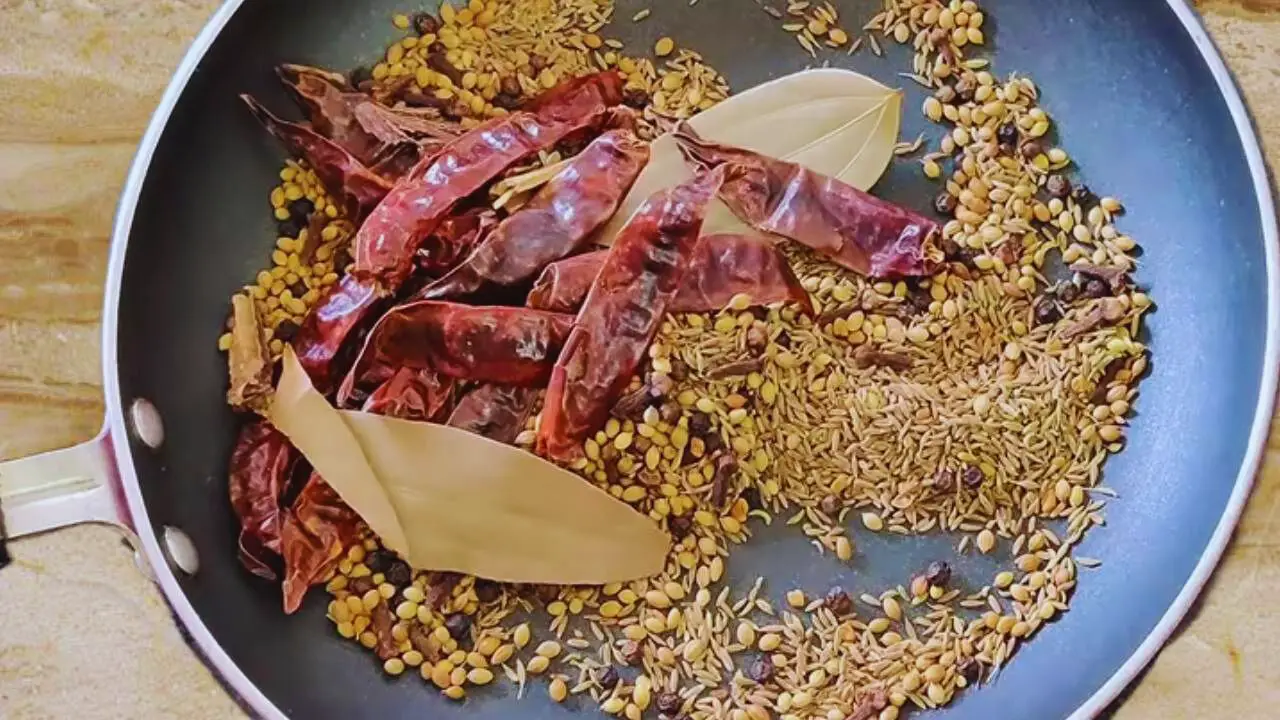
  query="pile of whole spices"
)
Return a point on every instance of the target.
[{"x": 981, "y": 401}]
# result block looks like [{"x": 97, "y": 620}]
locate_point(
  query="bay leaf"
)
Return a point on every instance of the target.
[
  {"x": 446, "y": 499},
  {"x": 836, "y": 122}
]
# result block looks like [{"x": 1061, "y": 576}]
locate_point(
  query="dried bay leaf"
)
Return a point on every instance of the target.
[
  {"x": 835, "y": 122},
  {"x": 446, "y": 499}
]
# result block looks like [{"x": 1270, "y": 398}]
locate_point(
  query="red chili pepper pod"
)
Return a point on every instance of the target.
[
  {"x": 262, "y": 465},
  {"x": 385, "y": 244},
  {"x": 413, "y": 394},
  {"x": 338, "y": 316},
  {"x": 344, "y": 176},
  {"x": 315, "y": 534},
  {"x": 723, "y": 266},
  {"x": 622, "y": 313},
  {"x": 857, "y": 230},
  {"x": 554, "y": 224},
  {"x": 506, "y": 345},
  {"x": 497, "y": 412}
]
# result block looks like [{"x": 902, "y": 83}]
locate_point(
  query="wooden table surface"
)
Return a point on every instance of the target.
[{"x": 85, "y": 635}]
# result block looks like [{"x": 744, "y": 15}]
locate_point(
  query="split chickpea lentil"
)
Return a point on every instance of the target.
[{"x": 994, "y": 424}]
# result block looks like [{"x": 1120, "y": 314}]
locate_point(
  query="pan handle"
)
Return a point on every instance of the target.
[{"x": 63, "y": 487}]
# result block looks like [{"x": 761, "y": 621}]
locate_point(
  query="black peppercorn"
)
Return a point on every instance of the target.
[
  {"x": 608, "y": 678},
  {"x": 838, "y": 601},
  {"x": 508, "y": 85},
  {"x": 944, "y": 480},
  {"x": 398, "y": 573},
  {"x": 1031, "y": 149},
  {"x": 945, "y": 203},
  {"x": 829, "y": 505},
  {"x": 1007, "y": 134},
  {"x": 425, "y": 23},
  {"x": 379, "y": 560},
  {"x": 699, "y": 424},
  {"x": 938, "y": 573},
  {"x": 670, "y": 412},
  {"x": 761, "y": 669},
  {"x": 1058, "y": 186},
  {"x": 679, "y": 525},
  {"x": 506, "y": 101},
  {"x": 459, "y": 626},
  {"x": 1046, "y": 311},
  {"x": 635, "y": 98},
  {"x": 679, "y": 369},
  {"x": 1083, "y": 196},
  {"x": 285, "y": 332},
  {"x": 300, "y": 209},
  {"x": 713, "y": 443},
  {"x": 359, "y": 74},
  {"x": 973, "y": 477},
  {"x": 487, "y": 591},
  {"x": 1095, "y": 288},
  {"x": 289, "y": 228},
  {"x": 669, "y": 703}
]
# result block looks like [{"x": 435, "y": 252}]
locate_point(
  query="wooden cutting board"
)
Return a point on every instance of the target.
[{"x": 79, "y": 81}]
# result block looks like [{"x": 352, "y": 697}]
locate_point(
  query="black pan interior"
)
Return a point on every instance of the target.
[{"x": 1138, "y": 109}]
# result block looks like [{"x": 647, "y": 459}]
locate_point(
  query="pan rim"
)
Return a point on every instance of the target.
[{"x": 248, "y": 693}]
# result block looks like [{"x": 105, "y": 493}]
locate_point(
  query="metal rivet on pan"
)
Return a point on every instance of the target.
[
  {"x": 147, "y": 425},
  {"x": 181, "y": 551}
]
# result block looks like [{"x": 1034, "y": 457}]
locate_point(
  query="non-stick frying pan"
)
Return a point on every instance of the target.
[{"x": 1141, "y": 99}]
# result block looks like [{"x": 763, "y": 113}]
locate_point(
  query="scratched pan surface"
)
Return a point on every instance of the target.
[{"x": 1139, "y": 107}]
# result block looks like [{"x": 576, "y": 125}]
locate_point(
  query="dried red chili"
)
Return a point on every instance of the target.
[
  {"x": 386, "y": 243},
  {"x": 367, "y": 129},
  {"x": 422, "y": 199},
  {"x": 578, "y": 97},
  {"x": 857, "y": 230},
  {"x": 497, "y": 412},
  {"x": 508, "y": 345},
  {"x": 555, "y": 223},
  {"x": 622, "y": 312},
  {"x": 314, "y": 535},
  {"x": 325, "y": 97},
  {"x": 723, "y": 265},
  {"x": 321, "y": 340},
  {"x": 563, "y": 285},
  {"x": 422, "y": 395},
  {"x": 262, "y": 464},
  {"x": 343, "y": 176},
  {"x": 453, "y": 241}
]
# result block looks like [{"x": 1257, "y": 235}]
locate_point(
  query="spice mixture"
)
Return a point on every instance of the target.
[{"x": 982, "y": 400}]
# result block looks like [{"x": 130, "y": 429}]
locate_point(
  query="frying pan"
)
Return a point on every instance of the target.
[{"x": 1141, "y": 99}]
